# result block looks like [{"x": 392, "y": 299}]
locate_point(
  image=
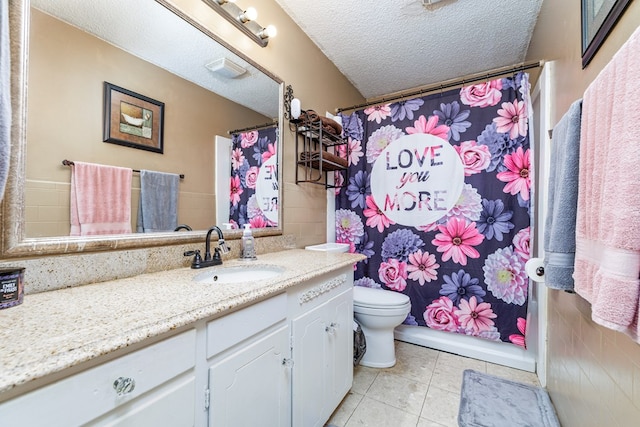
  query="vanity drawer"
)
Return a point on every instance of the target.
[
  {"x": 82, "y": 397},
  {"x": 234, "y": 328}
]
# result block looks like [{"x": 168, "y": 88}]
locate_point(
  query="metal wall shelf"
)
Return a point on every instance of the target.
[{"x": 317, "y": 154}]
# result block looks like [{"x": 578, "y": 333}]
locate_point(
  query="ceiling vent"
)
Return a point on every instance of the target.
[
  {"x": 226, "y": 68},
  {"x": 436, "y": 4}
]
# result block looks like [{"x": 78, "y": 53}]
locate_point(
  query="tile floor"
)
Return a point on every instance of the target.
[{"x": 421, "y": 390}]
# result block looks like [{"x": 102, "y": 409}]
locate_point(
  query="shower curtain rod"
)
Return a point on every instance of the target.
[
  {"x": 258, "y": 127},
  {"x": 448, "y": 84}
]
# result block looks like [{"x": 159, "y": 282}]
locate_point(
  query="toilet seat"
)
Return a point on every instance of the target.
[{"x": 368, "y": 298}]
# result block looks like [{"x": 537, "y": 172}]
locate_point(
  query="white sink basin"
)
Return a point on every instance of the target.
[{"x": 235, "y": 274}]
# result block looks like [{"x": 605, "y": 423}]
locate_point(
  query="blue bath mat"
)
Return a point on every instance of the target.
[{"x": 489, "y": 401}]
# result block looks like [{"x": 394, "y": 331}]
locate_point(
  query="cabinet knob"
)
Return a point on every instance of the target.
[
  {"x": 124, "y": 385},
  {"x": 332, "y": 328},
  {"x": 287, "y": 363}
]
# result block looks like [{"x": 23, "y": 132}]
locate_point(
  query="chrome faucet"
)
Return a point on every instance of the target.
[{"x": 209, "y": 260}]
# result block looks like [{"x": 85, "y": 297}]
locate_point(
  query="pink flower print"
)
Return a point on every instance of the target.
[
  {"x": 519, "y": 339},
  {"x": 237, "y": 158},
  {"x": 522, "y": 242},
  {"x": 474, "y": 316},
  {"x": 236, "y": 190},
  {"x": 482, "y": 95},
  {"x": 355, "y": 151},
  {"x": 422, "y": 267},
  {"x": 247, "y": 139},
  {"x": 338, "y": 181},
  {"x": 252, "y": 177},
  {"x": 440, "y": 315},
  {"x": 475, "y": 158},
  {"x": 270, "y": 151},
  {"x": 512, "y": 119},
  {"x": 348, "y": 226},
  {"x": 258, "y": 222},
  {"x": 517, "y": 174},
  {"x": 379, "y": 140},
  {"x": 505, "y": 276},
  {"x": 375, "y": 217},
  {"x": 378, "y": 112},
  {"x": 393, "y": 273},
  {"x": 422, "y": 125},
  {"x": 457, "y": 240}
]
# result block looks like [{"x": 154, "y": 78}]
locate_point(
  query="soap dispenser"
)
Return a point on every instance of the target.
[{"x": 248, "y": 244}]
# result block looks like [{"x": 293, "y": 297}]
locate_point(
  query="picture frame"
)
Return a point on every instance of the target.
[
  {"x": 132, "y": 119},
  {"x": 598, "y": 19}
]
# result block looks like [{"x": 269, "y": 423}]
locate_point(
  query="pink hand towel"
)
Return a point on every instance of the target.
[
  {"x": 607, "y": 267},
  {"x": 100, "y": 199}
]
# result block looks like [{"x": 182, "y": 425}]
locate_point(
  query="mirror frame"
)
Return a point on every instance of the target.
[{"x": 13, "y": 240}]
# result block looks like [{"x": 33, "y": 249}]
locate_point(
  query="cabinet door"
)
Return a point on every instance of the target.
[
  {"x": 340, "y": 348},
  {"x": 310, "y": 356},
  {"x": 251, "y": 387},
  {"x": 323, "y": 360}
]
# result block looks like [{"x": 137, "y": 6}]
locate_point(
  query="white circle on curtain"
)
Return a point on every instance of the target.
[
  {"x": 417, "y": 179},
  {"x": 267, "y": 189}
]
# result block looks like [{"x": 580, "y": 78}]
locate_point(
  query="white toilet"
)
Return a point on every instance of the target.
[{"x": 379, "y": 311}]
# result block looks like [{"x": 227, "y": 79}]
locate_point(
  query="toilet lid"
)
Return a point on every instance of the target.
[{"x": 369, "y": 297}]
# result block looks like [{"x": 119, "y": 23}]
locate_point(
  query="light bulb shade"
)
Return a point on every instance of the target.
[
  {"x": 268, "y": 32},
  {"x": 295, "y": 108},
  {"x": 221, "y": 2},
  {"x": 251, "y": 14}
]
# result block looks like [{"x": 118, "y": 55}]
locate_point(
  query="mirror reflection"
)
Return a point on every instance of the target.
[{"x": 77, "y": 46}]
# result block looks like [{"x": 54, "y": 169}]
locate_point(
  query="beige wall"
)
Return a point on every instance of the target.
[
  {"x": 593, "y": 372},
  {"x": 65, "y": 121},
  {"x": 317, "y": 82}
]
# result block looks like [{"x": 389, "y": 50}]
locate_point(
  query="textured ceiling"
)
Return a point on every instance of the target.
[
  {"x": 385, "y": 46},
  {"x": 168, "y": 42}
]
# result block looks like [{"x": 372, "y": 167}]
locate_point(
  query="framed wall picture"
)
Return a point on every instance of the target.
[
  {"x": 132, "y": 120},
  {"x": 598, "y": 19}
]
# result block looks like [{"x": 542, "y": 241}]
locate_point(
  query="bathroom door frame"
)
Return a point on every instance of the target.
[{"x": 542, "y": 113}]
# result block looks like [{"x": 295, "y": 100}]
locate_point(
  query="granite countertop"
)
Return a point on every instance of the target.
[{"x": 52, "y": 331}]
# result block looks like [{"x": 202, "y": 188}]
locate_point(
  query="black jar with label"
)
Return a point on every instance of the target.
[{"x": 11, "y": 287}]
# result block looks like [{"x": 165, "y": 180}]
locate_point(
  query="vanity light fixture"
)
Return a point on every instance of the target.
[
  {"x": 243, "y": 19},
  {"x": 251, "y": 14},
  {"x": 268, "y": 31}
]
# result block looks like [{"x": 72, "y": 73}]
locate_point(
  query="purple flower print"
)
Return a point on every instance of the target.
[
  {"x": 400, "y": 244},
  {"x": 367, "y": 282},
  {"x": 364, "y": 246},
  {"x": 451, "y": 116},
  {"x": 461, "y": 285},
  {"x": 352, "y": 126},
  {"x": 499, "y": 145},
  {"x": 402, "y": 109},
  {"x": 358, "y": 190},
  {"x": 494, "y": 219}
]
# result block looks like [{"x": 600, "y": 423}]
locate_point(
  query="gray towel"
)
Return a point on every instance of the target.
[
  {"x": 158, "y": 207},
  {"x": 560, "y": 225},
  {"x": 5, "y": 96}
]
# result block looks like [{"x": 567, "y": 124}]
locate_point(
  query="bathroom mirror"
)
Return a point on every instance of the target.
[{"x": 249, "y": 100}]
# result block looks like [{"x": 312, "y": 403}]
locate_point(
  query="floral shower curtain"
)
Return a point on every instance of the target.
[
  {"x": 254, "y": 179},
  {"x": 437, "y": 196}
]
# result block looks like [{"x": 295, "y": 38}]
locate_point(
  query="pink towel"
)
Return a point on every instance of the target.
[
  {"x": 100, "y": 199},
  {"x": 607, "y": 267}
]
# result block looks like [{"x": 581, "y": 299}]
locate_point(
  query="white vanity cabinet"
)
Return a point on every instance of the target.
[
  {"x": 322, "y": 338},
  {"x": 149, "y": 387},
  {"x": 250, "y": 366}
]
